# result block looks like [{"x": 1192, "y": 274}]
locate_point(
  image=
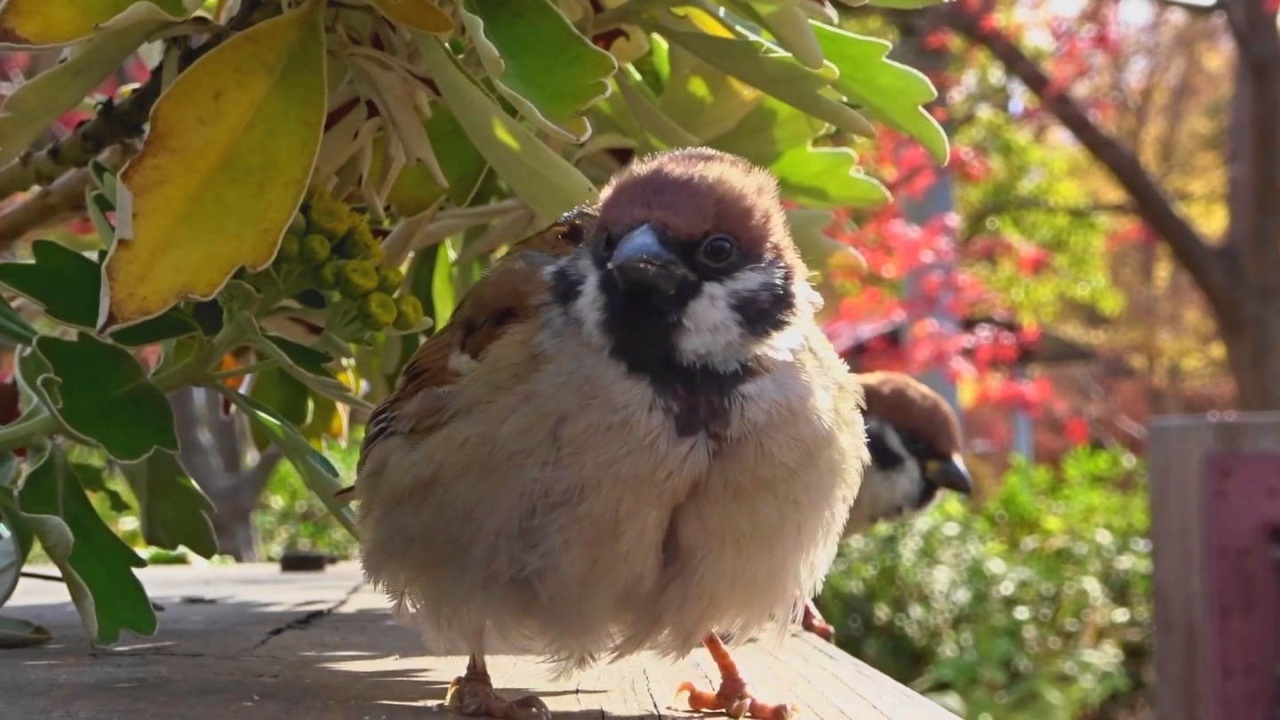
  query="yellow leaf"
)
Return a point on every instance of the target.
[
  {"x": 231, "y": 147},
  {"x": 58, "y": 22},
  {"x": 421, "y": 15}
]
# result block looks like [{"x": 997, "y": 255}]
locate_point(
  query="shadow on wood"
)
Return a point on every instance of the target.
[{"x": 249, "y": 642}]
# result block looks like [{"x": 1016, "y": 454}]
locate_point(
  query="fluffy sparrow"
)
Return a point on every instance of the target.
[
  {"x": 627, "y": 423},
  {"x": 915, "y": 441}
]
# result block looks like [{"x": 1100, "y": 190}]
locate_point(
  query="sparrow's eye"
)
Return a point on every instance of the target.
[{"x": 718, "y": 251}]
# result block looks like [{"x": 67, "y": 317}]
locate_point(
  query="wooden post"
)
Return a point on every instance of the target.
[{"x": 1184, "y": 452}]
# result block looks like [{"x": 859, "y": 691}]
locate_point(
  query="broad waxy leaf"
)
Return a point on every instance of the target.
[
  {"x": 173, "y": 510},
  {"x": 906, "y": 4},
  {"x": 545, "y": 180},
  {"x": 13, "y": 549},
  {"x": 12, "y": 325},
  {"x": 891, "y": 91},
  {"x": 643, "y": 107},
  {"x": 790, "y": 25},
  {"x": 109, "y": 596},
  {"x": 203, "y": 199},
  {"x": 513, "y": 40},
  {"x": 778, "y": 75},
  {"x": 827, "y": 178},
  {"x": 278, "y": 390},
  {"x": 67, "y": 285},
  {"x": 58, "y": 22},
  {"x": 102, "y": 393},
  {"x": 415, "y": 189},
  {"x": 30, "y": 110},
  {"x": 421, "y": 15},
  {"x": 817, "y": 248},
  {"x": 94, "y": 480},
  {"x": 303, "y": 363},
  {"x": 16, "y": 633},
  {"x": 319, "y": 474},
  {"x": 703, "y": 100}
]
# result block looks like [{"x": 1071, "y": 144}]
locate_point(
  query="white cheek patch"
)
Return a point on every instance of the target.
[
  {"x": 712, "y": 333},
  {"x": 588, "y": 308}
]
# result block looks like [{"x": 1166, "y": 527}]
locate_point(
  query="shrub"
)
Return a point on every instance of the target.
[{"x": 1035, "y": 605}]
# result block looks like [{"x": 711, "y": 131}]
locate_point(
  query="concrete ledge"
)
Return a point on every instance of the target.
[{"x": 250, "y": 642}]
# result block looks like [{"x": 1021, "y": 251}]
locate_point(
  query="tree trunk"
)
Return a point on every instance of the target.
[
  {"x": 1253, "y": 352},
  {"x": 218, "y": 454}
]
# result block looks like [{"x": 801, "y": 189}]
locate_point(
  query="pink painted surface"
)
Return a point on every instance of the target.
[{"x": 1242, "y": 578}]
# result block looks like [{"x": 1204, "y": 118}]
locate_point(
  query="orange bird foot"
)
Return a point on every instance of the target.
[
  {"x": 733, "y": 698},
  {"x": 816, "y": 624},
  {"x": 472, "y": 695}
]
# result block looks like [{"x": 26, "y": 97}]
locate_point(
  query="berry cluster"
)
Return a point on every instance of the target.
[{"x": 341, "y": 256}]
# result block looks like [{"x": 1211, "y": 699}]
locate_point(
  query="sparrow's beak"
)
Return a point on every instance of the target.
[
  {"x": 950, "y": 474},
  {"x": 640, "y": 260}
]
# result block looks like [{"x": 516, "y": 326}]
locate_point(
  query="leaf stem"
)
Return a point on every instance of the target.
[{"x": 20, "y": 433}]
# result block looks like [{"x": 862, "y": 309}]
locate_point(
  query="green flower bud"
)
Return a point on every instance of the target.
[
  {"x": 328, "y": 216},
  {"x": 327, "y": 274},
  {"x": 357, "y": 278},
  {"x": 360, "y": 244},
  {"x": 290, "y": 246},
  {"x": 314, "y": 250},
  {"x": 389, "y": 279},
  {"x": 298, "y": 226},
  {"x": 377, "y": 310},
  {"x": 408, "y": 312}
]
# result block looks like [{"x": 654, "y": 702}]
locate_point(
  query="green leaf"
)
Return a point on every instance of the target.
[
  {"x": 906, "y": 4},
  {"x": 644, "y": 109},
  {"x": 308, "y": 369},
  {"x": 68, "y": 285},
  {"x": 21, "y": 634},
  {"x": 12, "y": 326},
  {"x": 415, "y": 189},
  {"x": 174, "y": 511},
  {"x": 512, "y": 40},
  {"x": 96, "y": 565},
  {"x": 62, "y": 281},
  {"x": 34, "y": 106},
  {"x": 278, "y": 390},
  {"x": 548, "y": 182},
  {"x": 94, "y": 480},
  {"x": 827, "y": 178},
  {"x": 769, "y": 131},
  {"x": 58, "y": 22},
  {"x": 203, "y": 199},
  {"x": 808, "y": 228},
  {"x": 443, "y": 297},
  {"x": 778, "y": 75},
  {"x": 317, "y": 472},
  {"x": 13, "y": 551},
  {"x": 703, "y": 100},
  {"x": 101, "y": 393},
  {"x": 790, "y": 25},
  {"x": 891, "y": 91}
]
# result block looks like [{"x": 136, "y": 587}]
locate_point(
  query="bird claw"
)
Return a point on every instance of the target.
[
  {"x": 816, "y": 624},
  {"x": 477, "y": 699},
  {"x": 735, "y": 702}
]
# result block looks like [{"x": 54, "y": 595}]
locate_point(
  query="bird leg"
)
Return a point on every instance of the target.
[
  {"x": 733, "y": 697},
  {"x": 472, "y": 695},
  {"x": 816, "y": 624}
]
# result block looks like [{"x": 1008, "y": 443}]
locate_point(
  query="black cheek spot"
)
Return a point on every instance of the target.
[
  {"x": 883, "y": 456},
  {"x": 566, "y": 286},
  {"x": 769, "y": 308}
]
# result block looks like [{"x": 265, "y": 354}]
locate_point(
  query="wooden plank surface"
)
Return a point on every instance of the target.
[
  {"x": 1178, "y": 450},
  {"x": 251, "y": 642}
]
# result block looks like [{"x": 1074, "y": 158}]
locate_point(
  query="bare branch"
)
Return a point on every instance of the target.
[{"x": 58, "y": 203}]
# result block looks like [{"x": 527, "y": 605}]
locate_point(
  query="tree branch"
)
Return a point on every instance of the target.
[
  {"x": 61, "y": 201},
  {"x": 1200, "y": 260}
]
